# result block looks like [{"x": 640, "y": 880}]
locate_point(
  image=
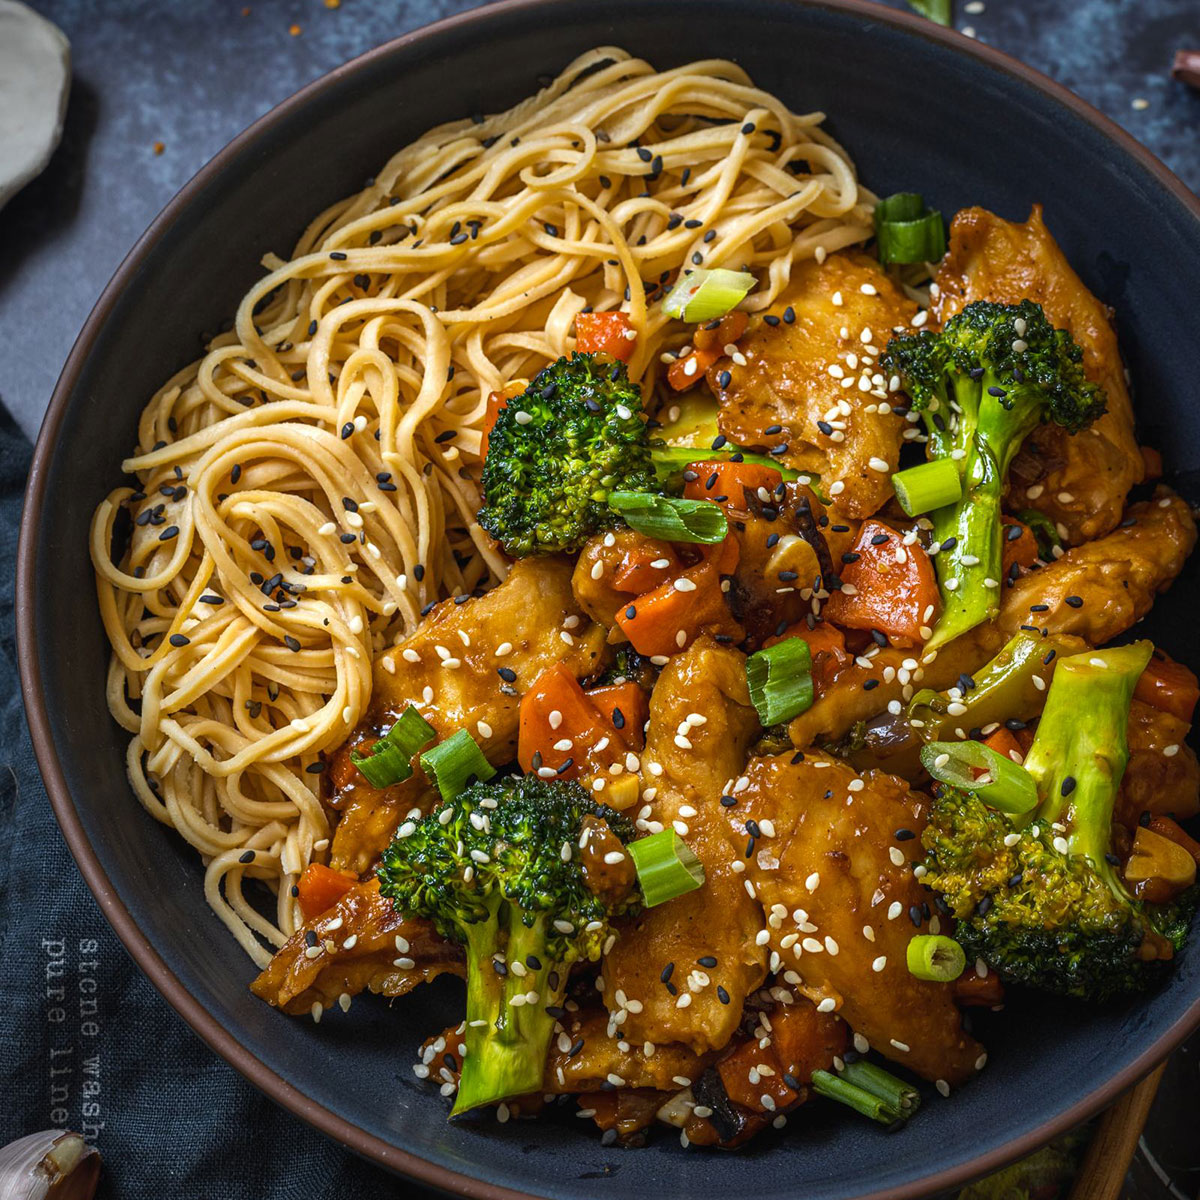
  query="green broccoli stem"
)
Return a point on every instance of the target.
[
  {"x": 1004, "y": 688},
  {"x": 987, "y": 434},
  {"x": 508, "y": 1027},
  {"x": 1081, "y": 749}
]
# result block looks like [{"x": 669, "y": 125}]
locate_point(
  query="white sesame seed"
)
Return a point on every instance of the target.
[{"x": 879, "y": 963}]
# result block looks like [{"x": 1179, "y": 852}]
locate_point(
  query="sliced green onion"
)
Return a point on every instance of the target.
[
  {"x": 900, "y": 206},
  {"x": 973, "y": 767},
  {"x": 935, "y": 10},
  {"x": 455, "y": 764},
  {"x": 706, "y": 294},
  {"x": 666, "y": 867},
  {"x": 907, "y": 232},
  {"x": 669, "y": 462},
  {"x": 780, "y": 680},
  {"x": 390, "y": 760},
  {"x": 1044, "y": 532},
  {"x": 869, "y": 1090},
  {"x": 935, "y": 957},
  {"x": 670, "y": 519},
  {"x": 929, "y": 485}
]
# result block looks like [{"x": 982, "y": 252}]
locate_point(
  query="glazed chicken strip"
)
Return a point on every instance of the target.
[
  {"x": 361, "y": 944},
  {"x": 584, "y": 1054},
  {"x": 1080, "y": 482},
  {"x": 701, "y": 725},
  {"x": 831, "y": 864},
  {"x": 1095, "y": 591},
  {"x": 1162, "y": 776},
  {"x": 803, "y": 375},
  {"x": 450, "y": 670}
]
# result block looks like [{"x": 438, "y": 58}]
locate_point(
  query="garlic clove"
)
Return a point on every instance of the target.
[{"x": 52, "y": 1164}]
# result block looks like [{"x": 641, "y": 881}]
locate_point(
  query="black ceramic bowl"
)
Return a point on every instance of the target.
[{"x": 920, "y": 109}]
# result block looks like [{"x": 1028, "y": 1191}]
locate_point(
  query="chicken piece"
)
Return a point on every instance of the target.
[
  {"x": 701, "y": 725},
  {"x": 593, "y": 1053},
  {"x": 584, "y": 1053},
  {"x": 602, "y": 560},
  {"x": 1115, "y": 578},
  {"x": 362, "y": 943},
  {"x": 804, "y": 374},
  {"x": 832, "y": 868},
  {"x": 1079, "y": 481},
  {"x": 1162, "y": 776},
  {"x": 452, "y": 657}
]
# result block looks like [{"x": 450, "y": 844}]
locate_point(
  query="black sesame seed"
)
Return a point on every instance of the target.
[
  {"x": 507, "y": 674},
  {"x": 248, "y": 857},
  {"x": 1074, "y": 601},
  {"x": 177, "y": 639}
]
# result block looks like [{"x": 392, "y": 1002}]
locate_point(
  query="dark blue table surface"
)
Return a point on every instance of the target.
[{"x": 160, "y": 88}]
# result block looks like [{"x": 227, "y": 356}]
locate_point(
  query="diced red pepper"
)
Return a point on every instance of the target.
[
  {"x": 636, "y": 573},
  {"x": 669, "y": 619},
  {"x": 605, "y": 333},
  {"x": 320, "y": 888},
  {"x": 1022, "y": 549},
  {"x": 626, "y": 707},
  {"x": 495, "y": 402},
  {"x": 557, "y": 710},
  {"x": 805, "y": 1040},
  {"x": 735, "y": 1070},
  {"x": 727, "y": 332},
  {"x": 1169, "y": 686},
  {"x": 1003, "y": 742},
  {"x": 826, "y": 646},
  {"x": 727, "y": 482},
  {"x": 709, "y": 345},
  {"x": 896, "y": 595}
]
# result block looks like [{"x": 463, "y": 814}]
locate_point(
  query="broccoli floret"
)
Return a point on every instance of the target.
[
  {"x": 1039, "y": 898},
  {"x": 992, "y": 375},
  {"x": 499, "y": 869},
  {"x": 557, "y": 451},
  {"x": 560, "y": 449}
]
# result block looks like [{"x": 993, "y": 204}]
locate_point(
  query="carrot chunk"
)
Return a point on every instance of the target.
[
  {"x": 1168, "y": 686},
  {"x": 320, "y": 888},
  {"x": 727, "y": 483},
  {"x": 891, "y": 587},
  {"x": 605, "y": 333}
]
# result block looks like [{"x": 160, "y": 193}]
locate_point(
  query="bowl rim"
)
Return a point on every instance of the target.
[{"x": 221, "y": 1040}]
